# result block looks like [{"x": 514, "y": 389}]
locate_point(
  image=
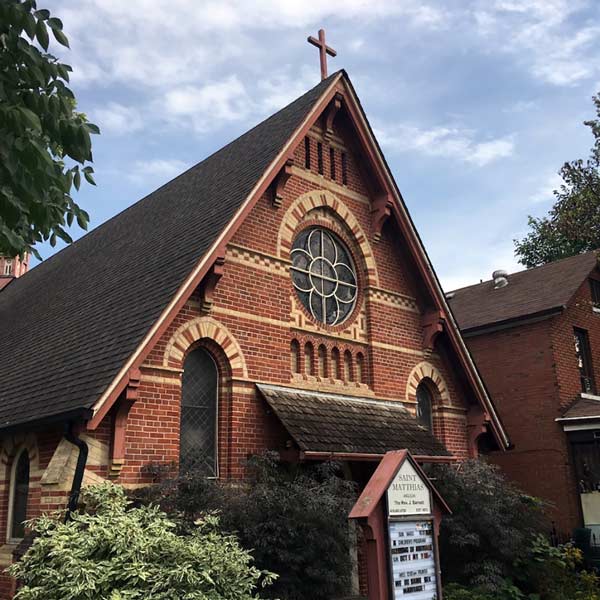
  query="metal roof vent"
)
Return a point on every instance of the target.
[{"x": 500, "y": 278}]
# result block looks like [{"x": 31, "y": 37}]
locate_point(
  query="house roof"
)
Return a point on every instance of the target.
[
  {"x": 331, "y": 423},
  {"x": 68, "y": 325},
  {"x": 535, "y": 291}
]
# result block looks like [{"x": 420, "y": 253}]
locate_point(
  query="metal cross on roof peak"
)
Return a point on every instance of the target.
[{"x": 324, "y": 50}]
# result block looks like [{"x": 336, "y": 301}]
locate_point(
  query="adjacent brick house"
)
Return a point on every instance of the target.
[
  {"x": 535, "y": 337},
  {"x": 274, "y": 296}
]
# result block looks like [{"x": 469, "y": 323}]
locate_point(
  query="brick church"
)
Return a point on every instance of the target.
[{"x": 274, "y": 296}]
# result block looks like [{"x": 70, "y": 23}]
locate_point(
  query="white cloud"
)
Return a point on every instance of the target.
[
  {"x": 155, "y": 171},
  {"x": 116, "y": 118},
  {"x": 543, "y": 35},
  {"x": 545, "y": 190},
  {"x": 217, "y": 102},
  {"x": 448, "y": 142}
]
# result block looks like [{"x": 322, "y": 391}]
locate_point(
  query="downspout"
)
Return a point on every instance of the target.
[{"x": 74, "y": 438}]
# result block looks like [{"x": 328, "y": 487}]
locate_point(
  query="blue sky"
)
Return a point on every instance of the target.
[{"x": 475, "y": 103}]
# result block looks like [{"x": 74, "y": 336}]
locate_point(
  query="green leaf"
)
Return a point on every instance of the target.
[
  {"x": 41, "y": 33},
  {"x": 32, "y": 119},
  {"x": 29, "y": 25},
  {"x": 88, "y": 177},
  {"x": 76, "y": 178},
  {"x": 61, "y": 38},
  {"x": 92, "y": 128},
  {"x": 42, "y": 14},
  {"x": 55, "y": 23}
]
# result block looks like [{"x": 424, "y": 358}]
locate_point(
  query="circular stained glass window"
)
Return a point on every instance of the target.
[{"x": 324, "y": 275}]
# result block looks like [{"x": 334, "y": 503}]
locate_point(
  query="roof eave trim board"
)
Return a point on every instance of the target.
[
  {"x": 111, "y": 394},
  {"x": 418, "y": 251},
  {"x": 364, "y": 456}
]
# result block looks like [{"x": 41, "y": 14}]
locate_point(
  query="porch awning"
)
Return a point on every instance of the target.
[
  {"x": 587, "y": 407},
  {"x": 335, "y": 424}
]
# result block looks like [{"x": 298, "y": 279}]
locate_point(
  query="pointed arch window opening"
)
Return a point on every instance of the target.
[
  {"x": 199, "y": 414},
  {"x": 19, "y": 495},
  {"x": 424, "y": 406}
]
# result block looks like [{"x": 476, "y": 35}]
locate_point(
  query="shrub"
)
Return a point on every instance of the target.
[
  {"x": 116, "y": 552},
  {"x": 491, "y": 525},
  {"x": 294, "y": 519}
]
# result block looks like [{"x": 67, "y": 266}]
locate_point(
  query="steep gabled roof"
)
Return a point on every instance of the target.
[
  {"x": 68, "y": 325},
  {"x": 76, "y": 326},
  {"x": 536, "y": 291}
]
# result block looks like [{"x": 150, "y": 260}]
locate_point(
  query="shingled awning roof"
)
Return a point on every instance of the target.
[
  {"x": 68, "y": 325},
  {"x": 331, "y": 423},
  {"x": 534, "y": 291},
  {"x": 584, "y": 408}
]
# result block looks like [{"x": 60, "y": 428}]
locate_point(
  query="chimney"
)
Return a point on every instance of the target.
[{"x": 500, "y": 278}]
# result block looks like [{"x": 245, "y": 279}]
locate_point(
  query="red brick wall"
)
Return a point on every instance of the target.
[{"x": 532, "y": 375}]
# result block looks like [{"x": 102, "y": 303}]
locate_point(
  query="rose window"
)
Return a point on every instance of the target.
[{"x": 324, "y": 275}]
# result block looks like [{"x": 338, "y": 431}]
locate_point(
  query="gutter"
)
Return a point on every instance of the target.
[{"x": 74, "y": 438}]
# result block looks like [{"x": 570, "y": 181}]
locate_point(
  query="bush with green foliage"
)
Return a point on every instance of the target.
[
  {"x": 113, "y": 551},
  {"x": 543, "y": 572},
  {"x": 490, "y": 527},
  {"x": 293, "y": 518}
]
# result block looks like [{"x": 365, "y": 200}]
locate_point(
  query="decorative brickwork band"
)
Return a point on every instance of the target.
[
  {"x": 425, "y": 370},
  {"x": 205, "y": 328},
  {"x": 324, "y": 198}
]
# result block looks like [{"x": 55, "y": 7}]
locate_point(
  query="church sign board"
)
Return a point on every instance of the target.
[{"x": 400, "y": 512}]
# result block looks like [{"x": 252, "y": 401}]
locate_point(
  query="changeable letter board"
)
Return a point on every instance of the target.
[{"x": 413, "y": 561}]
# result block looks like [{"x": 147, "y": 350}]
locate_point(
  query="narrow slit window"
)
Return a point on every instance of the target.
[
  {"x": 295, "y": 352},
  {"x": 307, "y": 152},
  {"x": 347, "y": 366},
  {"x": 309, "y": 355},
  {"x": 344, "y": 169},
  {"x": 424, "y": 403},
  {"x": 332, "y": 162},
  {"x": 335, "y": 364},
  {"x": 322, "y": 361},
  {"x": 20, "y": 495},
  {"x": 584, "y": 361},
  {"x": 320, "y": 157}
]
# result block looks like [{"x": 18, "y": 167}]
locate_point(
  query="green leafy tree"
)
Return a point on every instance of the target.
[
  {"x": 114, "y": 551},
  {"x": 490, "y": 527},
  {"x": 44, "y": 142},
  {"x": 572, "y": 225}
]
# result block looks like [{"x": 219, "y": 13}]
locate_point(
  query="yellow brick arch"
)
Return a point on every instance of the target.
[
  {"x": 425, "y": 370},
  {"x": 324, "y": 198},
  {"x": 205, "y": 328},
  {"x": 12, "y": 446}
]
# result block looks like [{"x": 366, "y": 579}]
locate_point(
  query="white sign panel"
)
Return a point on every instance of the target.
[
  {"x": 413, "y": 561},
  {"x": 408, "y": 494}
]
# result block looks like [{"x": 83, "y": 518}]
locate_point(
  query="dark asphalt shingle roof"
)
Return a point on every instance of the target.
[
  {"x": 528, "y": 292},
  {"x": 68, "y": 326},
  {"x": 582, "y": 408},
  {"x": 323, "y": 422}
]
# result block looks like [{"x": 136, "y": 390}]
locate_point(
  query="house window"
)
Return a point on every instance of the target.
[
  {"x": 8, "y": 266},
  {"x": 309, "y": 359},
  {"x": 198, "y": 431},
  {"x": 595, "y": 289},
  {"x": 324, "y": 275},
  {"x": 584, "y": 361},
  {"x": 335, "y": 364},
  {"x": 19, "y": 494},
  {"x": 424, "y": 402},
  {"x": 295, "y": 351}
]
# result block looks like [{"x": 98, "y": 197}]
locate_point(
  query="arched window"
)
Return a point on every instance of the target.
[
  {"x": 360, "y": 368},
  {"x": 335, "y": 364},
  {"x": 19, "y": 494},
  {"x": 322, "y": 361},
  {"x": 424, "y": 402},
  {"x": 198, "y": 430},
  {"x": 295, "y": 352},
  {"x": 309, "y": 359},
  {"x": 347, "y": 366}
]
